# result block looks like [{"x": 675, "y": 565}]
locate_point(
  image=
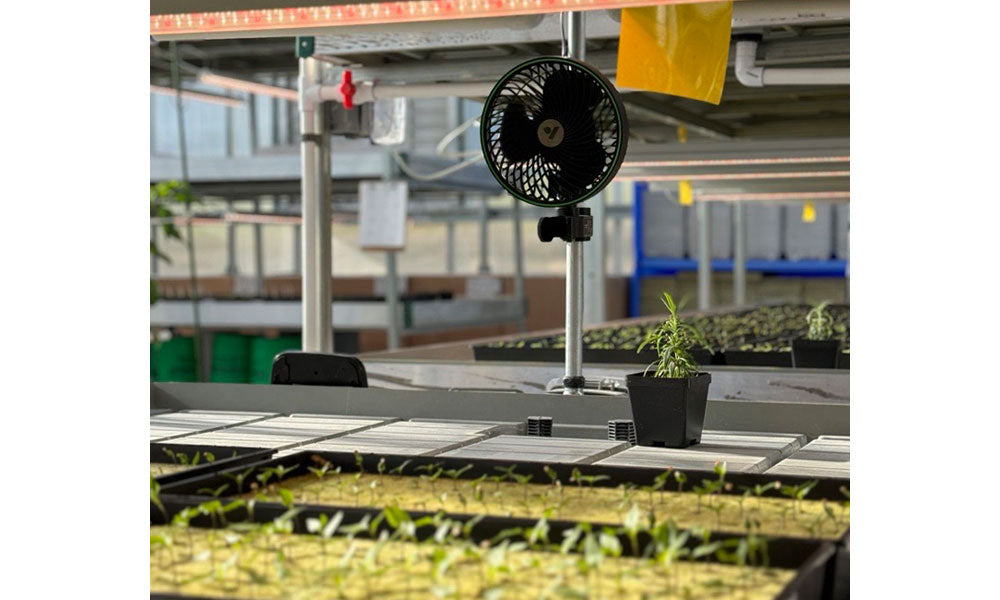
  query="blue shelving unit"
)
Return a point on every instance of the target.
[{"x": 646, "y": 266}]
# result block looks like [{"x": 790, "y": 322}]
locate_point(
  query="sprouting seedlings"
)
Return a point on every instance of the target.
[
  {"x": 238, "y": 478},
  {"x": 659, "y": 483},
  {"x": 287, "y": 497},
  {"x": 799, "y": 492},
  {"x": 281, "y": 470},
  {"x": 631, "y": 525},
  {"x": 359, "y": 462},
  {"x": 216, "y": 492},
  {"x": 759, "y": 490},
  {"x": 154, "y": 497},
  {"x": 524, "y": 480},
  {"x": 399, "y": 469},
  {"x": 264, "y": 476},
  {"x": 681, "y": 479},
  {"x": 505, "y": 474}
]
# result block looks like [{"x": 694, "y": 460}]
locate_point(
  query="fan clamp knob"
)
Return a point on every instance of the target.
[
  {"x": 550, "y": 133},
  {"x": 572, "y": 224}
]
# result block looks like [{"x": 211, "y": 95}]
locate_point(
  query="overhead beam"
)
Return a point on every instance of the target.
[{"x": 665, "y": 112}]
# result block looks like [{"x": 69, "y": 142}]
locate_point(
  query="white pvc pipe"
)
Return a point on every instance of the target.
[
  {"x": 751, "y": 75},
  {"x": 368, "y": 91}
]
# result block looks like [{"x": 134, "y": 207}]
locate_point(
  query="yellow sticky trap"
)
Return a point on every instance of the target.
[
  {"x": 809, "y": 212},
  {"x": 679, "y": 49},
  {"x": 684, "y": 193}
]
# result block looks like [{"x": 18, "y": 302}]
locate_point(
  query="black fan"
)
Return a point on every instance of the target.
[{"x": 554, "y": 131}]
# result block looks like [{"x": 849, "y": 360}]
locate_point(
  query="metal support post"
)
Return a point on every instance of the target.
[
  {"x": 392, "y": 300},
  {"x": 317, "y": 328},
  {"x": 618, "y": 253},
  {"x": 154, "y": 260},
  {"x": 231, "y": 268},
  {"x": 252, "y": 111},
  {"x": 258, "y": 251},
  {"x": 704, "y": 255},
  {"x": 595, "y": 271},
  {"x": 573, "y": 380},
  {"x": 484, "y": 237},
  {"x": 739, "y": 254},
  {"x": 519, "y": 266},
  {"x": 449, "y": 257}
]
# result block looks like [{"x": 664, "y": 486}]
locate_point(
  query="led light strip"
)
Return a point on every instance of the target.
[
  {"x": 735, "y": 176},
  {"x": 735, "y": 161},
  {"x": 193, "y": 95},
  {"x": 773, "y": 196},
  {"x": 308, "y": 17}
]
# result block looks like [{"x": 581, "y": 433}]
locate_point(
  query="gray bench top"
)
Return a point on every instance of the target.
[
  {"x": 417, "y": 438},
  {"x": 743, "y": 452},
  {"x": 826, "y": 456},
  {"x": 539, "y": 449},
  {"x": 281, "y": 432},
  {"x": 168, "y": 425}
]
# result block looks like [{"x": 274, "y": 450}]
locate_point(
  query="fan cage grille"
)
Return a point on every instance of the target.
[{"x": 554, "y": 177}]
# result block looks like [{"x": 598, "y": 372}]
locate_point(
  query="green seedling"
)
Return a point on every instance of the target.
[
  {"x": 681, "y": 479},
  {"x": 820, "y": 322},
  {"x": 360, "y": 463},
  {"x": 216, "y": 492},
  {"x": 238, "y": 478},
  {"x": 281, "y": 470},
  {"x": 799, "y": 492},
  {"x": 154, "y": 497},
  {"x": 399, "y": 469}
]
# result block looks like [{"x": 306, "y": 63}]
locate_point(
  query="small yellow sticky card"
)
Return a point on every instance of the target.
[
  {"x": 809, "y": 212},
  {"x": 684, "y": 193},
  {"x": 680, "y": 49}
]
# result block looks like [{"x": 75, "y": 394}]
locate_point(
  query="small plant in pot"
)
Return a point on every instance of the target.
[
  {"x": 669, "y": 398},
  {"x": 819, "y": 349}
]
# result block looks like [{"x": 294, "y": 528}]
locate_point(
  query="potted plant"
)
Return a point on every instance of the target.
[
  {"x": 669, "y": 397},
  {"x": 819, "y": 349}
]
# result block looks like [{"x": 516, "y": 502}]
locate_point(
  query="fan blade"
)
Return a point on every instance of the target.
[
  {"x": 579, "y": 167},
  {"x": 518, "y": 139},
  {"x": 570, "y": 88}
]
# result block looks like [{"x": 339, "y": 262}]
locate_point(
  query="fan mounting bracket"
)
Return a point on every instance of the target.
[{"x": 571, "y": 224}]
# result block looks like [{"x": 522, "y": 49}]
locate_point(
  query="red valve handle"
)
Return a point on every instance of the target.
[{"x": 347, "y": 89}]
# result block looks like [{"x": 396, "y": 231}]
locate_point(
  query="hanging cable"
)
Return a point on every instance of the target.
[
  {"x": 451, "y": 136},
  {"x": 437, "y": 174}
]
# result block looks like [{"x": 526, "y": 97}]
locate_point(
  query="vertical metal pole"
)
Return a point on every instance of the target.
[
  {"x": 618, "y": 256},
  {"x": 484, "y": 237},
  {"x": 154, "y": 260},
  {"x": 392, "y": 300},
  {"x": 230, "y": 131},
  {"x": 252, "y": 111},
  {"x": 231, "y": 268},
  {"x": 739, "y": 254},
  {"x": 704, "y": 255},
  {"x": 297, "y": 245},
  {"x": 595, "y": 271},
  {"x": 199, "y": 353},
  {"x": 316, "y": 309},
  {"x": 258, "y": 251},
  {"x": 519, "y": 266},
  {"x": 576, "y": 46},
  {"x": 449, "y": 257},
  {"x": 275, "y": 109}
]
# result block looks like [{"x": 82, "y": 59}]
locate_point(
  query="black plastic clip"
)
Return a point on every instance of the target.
[{"x": 572, "y": 224}]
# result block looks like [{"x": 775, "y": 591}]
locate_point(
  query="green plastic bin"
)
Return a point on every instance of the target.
[
  {"x": 230, "y": 358},
  {"x": 175, "y": 360},
  {"x": 262, "y": 353}
]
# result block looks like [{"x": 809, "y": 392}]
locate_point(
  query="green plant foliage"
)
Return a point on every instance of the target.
[
  {"x": 820, "y": 322},
  {"x": 163, "y": 197},
  {"x": 672, "y": 340}
]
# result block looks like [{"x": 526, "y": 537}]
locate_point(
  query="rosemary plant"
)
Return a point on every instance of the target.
[
  {"x": 820, "y": 322},
  {"x": 672, "y": 340}
]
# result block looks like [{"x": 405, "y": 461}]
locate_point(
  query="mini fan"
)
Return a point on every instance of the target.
[{"x": 553, "y": 131}]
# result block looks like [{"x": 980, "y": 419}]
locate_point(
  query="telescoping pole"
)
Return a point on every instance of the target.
[{"x": 573, "y": 381}]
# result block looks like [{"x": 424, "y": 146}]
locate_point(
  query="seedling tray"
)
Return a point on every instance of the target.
[
  {"x": 784, "y": 551},
  {"x": 590, "y": 355},
  {"x": 749, "y": 358},
  {"x": 226, "y": 458}
]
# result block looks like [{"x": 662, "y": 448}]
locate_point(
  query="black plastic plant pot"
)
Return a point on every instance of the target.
[
  {"x": 668, "y": 412},
  {"x": 815, "y": 354}
]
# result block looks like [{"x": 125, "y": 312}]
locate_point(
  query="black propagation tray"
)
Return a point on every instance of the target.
[
  {"x": 590, "y": 355},
  {"x": 820, "y": 563},
  {"x": 225, "y": 458}
]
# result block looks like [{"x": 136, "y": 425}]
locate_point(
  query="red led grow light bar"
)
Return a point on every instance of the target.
[{"x": 371, "y": 13}]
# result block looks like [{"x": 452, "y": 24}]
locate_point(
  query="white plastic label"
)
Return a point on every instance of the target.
[{"x": 382, "y": 214}]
